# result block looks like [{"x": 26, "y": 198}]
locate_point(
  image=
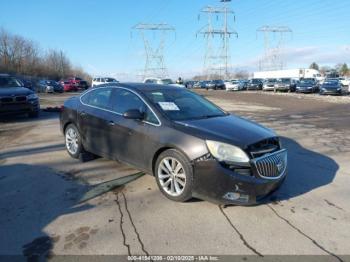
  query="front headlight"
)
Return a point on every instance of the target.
[
  {"x": 227, "y": 153},
  {"x": 32, "y": 97}
]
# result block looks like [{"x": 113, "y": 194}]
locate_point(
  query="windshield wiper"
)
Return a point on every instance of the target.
[{"x": 205, "y": 117}]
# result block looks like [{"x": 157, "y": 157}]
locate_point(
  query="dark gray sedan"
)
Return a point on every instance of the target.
[
  {"x": 331, "y": 87},
  {"x": 191, "y": 146}
]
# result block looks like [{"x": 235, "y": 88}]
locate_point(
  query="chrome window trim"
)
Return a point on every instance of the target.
[{"x": 116, "y": 113}]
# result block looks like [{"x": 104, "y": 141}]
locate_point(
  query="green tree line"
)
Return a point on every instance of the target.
[{"x": 341, "y": 69}]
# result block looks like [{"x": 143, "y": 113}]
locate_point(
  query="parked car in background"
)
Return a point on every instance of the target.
[
  {"x": 191, "y": 146},
  {"x": 69, "y": 87},
  {"x": 102, "y": 80},
  {"x": 216, "y": 84},
  {"x": 200, "y": 84},
  {"x": 269, "y": 84},
  {"x": 161, "y": 81},
  {"x": 75, "y": 81},
  {"x": 190, "y": 84},
  {"x": 331, "y": 87},
  {"x": 234, "y": 85},
  {"x": 16, "y": 99},
  {"x": 307, "y": 86},
  {"x": 26, "y": 83},
  {"x": 285, "y": 85},
  {"x": 49, "y": 86},
  {"x": 255, "y": 84},
  {"x": 244, "y": 83},
  {"x": 344, "y": 81},
  {"x": 83, "y": 84}
]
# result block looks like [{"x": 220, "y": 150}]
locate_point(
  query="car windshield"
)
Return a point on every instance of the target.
[
  {"x": 179, "y": 104},
  {"x": 332, "y": 82},
  {"x": 110, "y": 80},
  {"x": 6, "y": 82},
  {"x": 285, "y": 80},
  {"x": 235, "y": 82},
  {"x": 166, "y": 81},
  {"x": 271, "y": 80},
  {"x": 306, "y": 82},
  {"x": 255, "y": 81},
  {"x": 53, "y": 83}
]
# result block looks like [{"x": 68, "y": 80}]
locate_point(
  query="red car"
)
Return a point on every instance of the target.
[
  {"x": 75, "y": 81},
  {"x": 69, "y": 87}
]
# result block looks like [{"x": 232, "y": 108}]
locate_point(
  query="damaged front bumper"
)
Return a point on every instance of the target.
[{"x": 223, "y": 184}]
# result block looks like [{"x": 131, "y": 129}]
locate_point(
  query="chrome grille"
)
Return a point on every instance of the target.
[{"x": 271, "y": 166}]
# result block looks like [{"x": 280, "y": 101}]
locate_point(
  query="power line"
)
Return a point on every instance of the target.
[
  {"x": 217, "y": 63},
  {"x": 273, "y": 59},
  {"x": 155, "y": 62}
]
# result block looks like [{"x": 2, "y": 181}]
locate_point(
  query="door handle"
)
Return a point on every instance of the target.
[
  {"x": 82, "y": 113},
  {"x": 111, "y": 123}
]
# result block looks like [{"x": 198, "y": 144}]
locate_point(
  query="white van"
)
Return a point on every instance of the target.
[{"x": 96, "y": 81}]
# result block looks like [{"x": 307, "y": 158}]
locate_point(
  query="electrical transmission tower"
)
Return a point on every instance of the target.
[
  {"x": 274, "y": 38},
  {"x": 154, "y": 52},
  {"x": 217, "y": 57}
]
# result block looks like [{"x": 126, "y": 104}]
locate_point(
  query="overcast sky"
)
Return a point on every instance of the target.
[{"x": 97, "y": 35}]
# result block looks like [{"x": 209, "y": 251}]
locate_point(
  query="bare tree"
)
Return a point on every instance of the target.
[{"x": 22, "y": 56}]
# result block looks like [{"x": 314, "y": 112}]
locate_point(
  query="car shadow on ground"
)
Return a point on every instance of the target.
[
  {"x": 24, "y": 118},
  {"x": 32, "y": 197},
  {"x": 307, "y": 171},
  {"x": 32, "y": 150}
]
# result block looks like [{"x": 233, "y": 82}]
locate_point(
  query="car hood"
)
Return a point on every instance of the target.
[
  {"x": 305, "y": 85},
  {"x": 228, "y": 129},
  {"x": 17, "y": 91},
  {"x": 177, "y": 85},
  {"x": 330, "y": 86}
]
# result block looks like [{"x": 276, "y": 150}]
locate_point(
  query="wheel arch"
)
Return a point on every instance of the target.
[{"x": 163, "y": 149}]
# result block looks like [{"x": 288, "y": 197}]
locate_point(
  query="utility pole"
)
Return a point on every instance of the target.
[
  {"x": 273, "y": 59},
  {"x": 154, "y": 53},
  {"x": 217, "y": 62}
]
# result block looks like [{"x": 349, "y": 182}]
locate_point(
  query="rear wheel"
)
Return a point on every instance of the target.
[
  {"x": 174, "y": 175},
  {"x": 73, "y": 141}
]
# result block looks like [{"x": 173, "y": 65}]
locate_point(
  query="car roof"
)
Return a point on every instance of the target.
[{"x": 142, "y": 86}]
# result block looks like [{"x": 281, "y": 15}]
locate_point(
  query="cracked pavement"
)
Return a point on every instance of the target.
[{"x": 40, "y": 189}]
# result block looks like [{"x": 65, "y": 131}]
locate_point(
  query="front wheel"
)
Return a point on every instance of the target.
[
  {"x": 174, "y": 175},
  {"x": 73, "y": 141}
]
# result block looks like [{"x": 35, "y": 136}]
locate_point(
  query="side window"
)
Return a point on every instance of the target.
[
  {"x": 124, "y": 100},
  {"x": 98, "y": 98}
]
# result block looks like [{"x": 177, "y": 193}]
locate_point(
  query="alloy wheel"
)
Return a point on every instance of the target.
[
  {"x": 172, "y": 176},
  {"x": 72, "y": 141}
]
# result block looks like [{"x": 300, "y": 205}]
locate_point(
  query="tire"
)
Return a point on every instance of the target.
[
  {"x": 174, "y": 190},
  {"x": 73, "y": 143}
]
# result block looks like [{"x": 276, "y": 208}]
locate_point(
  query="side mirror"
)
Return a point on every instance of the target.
[{"x": 134, "y": 114}]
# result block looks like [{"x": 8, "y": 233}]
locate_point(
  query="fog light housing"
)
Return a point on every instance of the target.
[{"x": 232, "y": 196}]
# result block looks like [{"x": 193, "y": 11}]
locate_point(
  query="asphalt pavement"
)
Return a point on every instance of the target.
[{"x": 41, "y": 189}]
